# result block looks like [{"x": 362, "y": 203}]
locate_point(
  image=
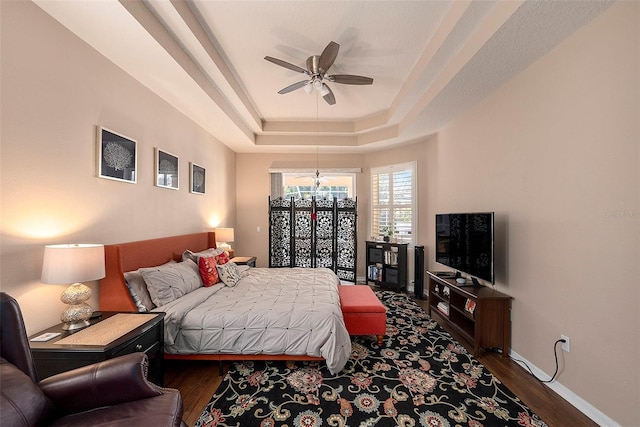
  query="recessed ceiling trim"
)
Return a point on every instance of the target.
[
  {"x": 149, "y": 22},
  {"x": 308, "y": 126},
  {"x": 448, "y": 23},
  {"x": 387, "y": 132},
  {"x": 309, "y": 140},
  {"x": 312, "y": 170},
  {"x": 194, "y": 23},
  {"x": 487, "y": 28},
  {"x": 371, "y": 122}
]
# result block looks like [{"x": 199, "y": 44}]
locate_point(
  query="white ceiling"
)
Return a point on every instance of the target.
[{"x": 430, "y": 61}]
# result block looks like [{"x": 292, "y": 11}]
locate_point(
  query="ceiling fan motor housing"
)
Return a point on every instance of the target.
[{"x": 312, "y": 65}]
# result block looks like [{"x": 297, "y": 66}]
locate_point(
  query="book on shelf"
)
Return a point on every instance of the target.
[
  {"x": 443, "y": 307},
  {"x": 391, "y": 258},
  {"x": 470, "y": 306},
  {"x": 374, "y": 272}
]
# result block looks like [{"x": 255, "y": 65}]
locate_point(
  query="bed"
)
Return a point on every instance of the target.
[{"x": 272, "y": 314}]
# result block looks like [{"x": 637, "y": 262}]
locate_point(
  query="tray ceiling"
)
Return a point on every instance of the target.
[{"x": 430, "y": 61}]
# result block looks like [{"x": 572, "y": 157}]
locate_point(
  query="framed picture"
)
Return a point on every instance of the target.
[
  {"x": 198, "y": 178},
  {"x": 166, "y": 170},
  {"x": 117, "y": 156}
]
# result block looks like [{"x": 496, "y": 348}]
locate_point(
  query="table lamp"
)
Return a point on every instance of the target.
[
  {"x": 64, "y": 264},
  {"x": 223, "y": 237}
]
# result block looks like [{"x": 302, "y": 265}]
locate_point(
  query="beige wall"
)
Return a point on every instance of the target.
[
  {"x": 555, "y": 154},
  {"x": 55, "y": 90}
]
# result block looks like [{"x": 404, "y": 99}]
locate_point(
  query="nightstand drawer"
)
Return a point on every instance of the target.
[{"x": 145, "y": 343}]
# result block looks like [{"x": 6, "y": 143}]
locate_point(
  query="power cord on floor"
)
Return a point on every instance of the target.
[{"x": 555, "y": 353}]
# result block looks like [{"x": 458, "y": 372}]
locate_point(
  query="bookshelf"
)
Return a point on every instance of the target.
[{"x": 387, "y": 264}]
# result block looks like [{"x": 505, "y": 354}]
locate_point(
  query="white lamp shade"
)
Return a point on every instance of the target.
[
  {"x": 65, "y": 264},
  {"x": 224, "y": 235}
]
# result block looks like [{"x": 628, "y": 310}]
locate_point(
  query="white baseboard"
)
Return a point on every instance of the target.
[{"x": 582, "y": 405}]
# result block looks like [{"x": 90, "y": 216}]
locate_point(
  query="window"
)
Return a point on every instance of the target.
[
  {"x": 393, "y": 201},
  {"x": 302, "y": 185}
]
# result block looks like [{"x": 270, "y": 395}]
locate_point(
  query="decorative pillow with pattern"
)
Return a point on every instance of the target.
[
  {"x": 229, "y": 273},
  {"x": 223, "y": 258},
  {"x": 208, "y": 271}
]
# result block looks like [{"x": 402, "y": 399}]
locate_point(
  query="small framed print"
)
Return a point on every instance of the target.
[
  {"x": 198, "y": 178},
  {"x": 117, "y": 156},
  {"x": 167, "y": 174}
]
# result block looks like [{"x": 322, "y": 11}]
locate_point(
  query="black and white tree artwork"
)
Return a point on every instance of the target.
[
  {"x": 198, "y": 179},
  {"x": 116, "y": 156}
]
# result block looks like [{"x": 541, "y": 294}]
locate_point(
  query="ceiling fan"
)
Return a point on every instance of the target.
[{"x": 317, "y": 68}]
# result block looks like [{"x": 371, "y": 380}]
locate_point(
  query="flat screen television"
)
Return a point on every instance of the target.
[{"x": 464, "y": 242}]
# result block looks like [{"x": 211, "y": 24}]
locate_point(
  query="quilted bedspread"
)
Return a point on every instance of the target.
[{"x": 293, "y": 311}]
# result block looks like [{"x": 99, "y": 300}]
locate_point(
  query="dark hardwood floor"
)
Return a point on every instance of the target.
[{"x": 198, "y": 380}]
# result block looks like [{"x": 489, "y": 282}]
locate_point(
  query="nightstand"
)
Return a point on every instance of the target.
[
  {"x": 245, "y": 260},
  {"x": 52, "y": 357}
]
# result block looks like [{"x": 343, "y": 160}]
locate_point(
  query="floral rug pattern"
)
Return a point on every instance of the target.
[{"x": 419, "y": 377}]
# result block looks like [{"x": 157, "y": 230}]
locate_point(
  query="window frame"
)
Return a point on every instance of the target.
[
  {"x": 391, "y": 169},
  {"x": 311, "y": 174}
]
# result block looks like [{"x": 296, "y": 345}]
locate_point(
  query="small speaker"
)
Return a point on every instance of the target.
[{"x": 418, "y": 274}]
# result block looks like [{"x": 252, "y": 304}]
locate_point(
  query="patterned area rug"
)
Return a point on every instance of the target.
[{"x": 420, "y": 377}]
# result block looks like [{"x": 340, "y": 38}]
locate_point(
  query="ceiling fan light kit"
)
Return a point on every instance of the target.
[{"x": 317, "y": 68}]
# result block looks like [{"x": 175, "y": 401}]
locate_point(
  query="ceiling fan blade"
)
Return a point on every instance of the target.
[
  {"x": 293, "y": 87},
  {"x": 327, "y": 57},
  {"x": 329, "y": 97},
  {"x": 286, "y": 64},
  {"x": 349, "y": 79}
]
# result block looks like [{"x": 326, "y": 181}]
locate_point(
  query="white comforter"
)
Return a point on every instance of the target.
[{"x": 293, "y": 311}]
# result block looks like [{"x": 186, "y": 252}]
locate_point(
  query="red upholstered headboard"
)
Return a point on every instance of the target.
[{"x": 123, "y": 257}]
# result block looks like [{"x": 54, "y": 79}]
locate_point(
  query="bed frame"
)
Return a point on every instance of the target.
[{"x": 123, "y": 257}]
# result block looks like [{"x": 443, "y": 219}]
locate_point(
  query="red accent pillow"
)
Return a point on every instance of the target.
[
  {"x": 208, "y": 271},
  {"x": 223, "y": 258}
]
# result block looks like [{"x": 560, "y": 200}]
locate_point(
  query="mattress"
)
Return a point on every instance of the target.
[{"x": 292, "y": 311}]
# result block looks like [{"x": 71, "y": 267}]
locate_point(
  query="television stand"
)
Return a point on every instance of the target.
[{"x": 481, "y": 315}]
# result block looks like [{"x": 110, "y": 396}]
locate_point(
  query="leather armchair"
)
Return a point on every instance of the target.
[{"x": 114, "y": 392}]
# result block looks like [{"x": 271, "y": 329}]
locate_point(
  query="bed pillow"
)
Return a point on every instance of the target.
[
  {"x": 195, "y": 256},
  {"x": 222, "y": 258},
  {"x": 208, "y": 271},
  {"x": 229, "y": 273},
  {"x": 138, "y": 290},
  {"x": 167, "y": 283}
]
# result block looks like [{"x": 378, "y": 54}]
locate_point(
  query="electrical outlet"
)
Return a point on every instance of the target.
[{"x": 566, "y": 345}]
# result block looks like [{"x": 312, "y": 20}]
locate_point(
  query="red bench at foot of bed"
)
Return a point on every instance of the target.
[{"x": 363, "y": 312}]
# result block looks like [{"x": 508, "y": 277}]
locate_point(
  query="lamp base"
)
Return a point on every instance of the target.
[
  {"x": 77, "y": 313},
  {"x": 75, "y": 325}
]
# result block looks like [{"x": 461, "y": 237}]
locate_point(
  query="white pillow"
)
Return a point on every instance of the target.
[
  {"x": 167, "y": 283},
  {"x": 228, "y": 273},
  {"x": 195, "y": 256}
]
